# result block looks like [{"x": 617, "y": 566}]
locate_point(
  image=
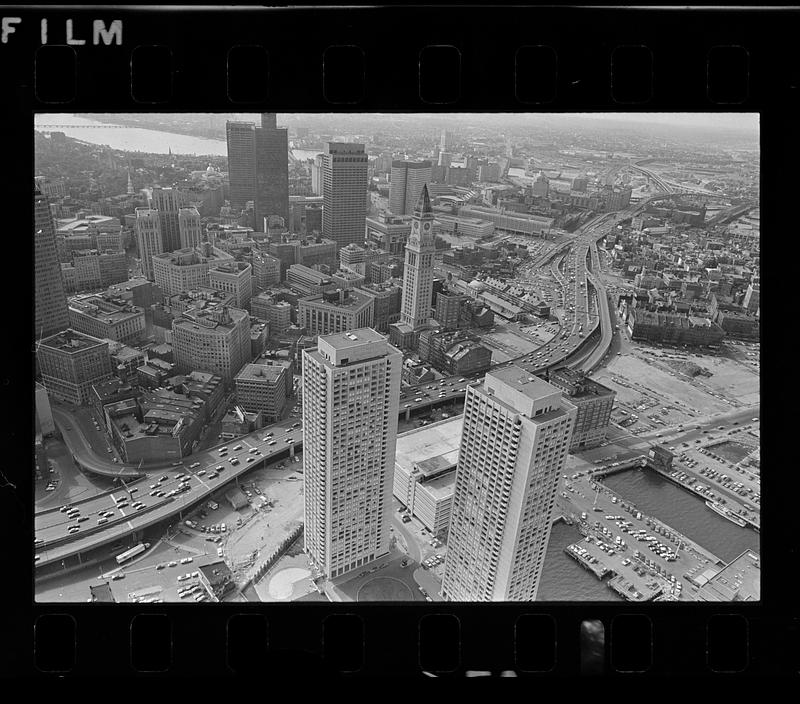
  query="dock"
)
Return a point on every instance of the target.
[
  {"x": 628, "y": 591},
  {"x": 586, "y": 560}
]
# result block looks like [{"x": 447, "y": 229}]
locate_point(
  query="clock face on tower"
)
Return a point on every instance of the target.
[{"x": 427, "y": 226}]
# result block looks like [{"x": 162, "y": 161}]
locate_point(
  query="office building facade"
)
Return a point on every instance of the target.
[
  {"x": 50, "y": 301},
  {"x": 213, "y": 339},
  {"x": 241, "y": 138},
  {"x": 351, "y": 390},
  {"x": 344, "y": 193},
  {"x": 335, "y": 311},
  {"x": 271, "y": 172},
  {"x": 71, "y": 362},
  {"x": 514, "y": 446},
  {"x": 147, "y": 227}
]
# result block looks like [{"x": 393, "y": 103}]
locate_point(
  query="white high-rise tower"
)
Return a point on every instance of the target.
[
  {"x": 351, "y": 392},
  {"x": 516, "y": 436},
  {"x": 418, "y": 276}
]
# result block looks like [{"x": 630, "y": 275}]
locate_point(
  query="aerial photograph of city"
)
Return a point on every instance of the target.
[{"x": 396, "y": 357}]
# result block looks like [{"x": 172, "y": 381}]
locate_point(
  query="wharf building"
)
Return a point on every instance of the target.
[
  {"x": 336, "y": 311},
  {"x": 389, "y": 232},
  {"x": 147, "y": 227},
  {"x": 424, "y": 472},
  {"x": 234, "y": 278},
  {"x": 261, "y": 388},
  {"x": 186, "y": 269},
  {"x": 344, "y": 193},
  {"x": 594, "y": 403},
  {"x": 514, "y": 445},
  {"x": 70, "y": 363},
  {"x": 407, "y": 180},
  {"x": 50, "y": 302},
  {"x": 351, "y": 391},
  {"x": 418, "y": 271},
  {"x": 107, "y": 317},
  {"x": 241, "y": 140},
  {"x": 212, "y": 339}
]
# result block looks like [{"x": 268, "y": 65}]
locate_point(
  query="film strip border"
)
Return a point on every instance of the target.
[
  {"x": 383, "y": 641},
  {"x": 441, "y": 59}
]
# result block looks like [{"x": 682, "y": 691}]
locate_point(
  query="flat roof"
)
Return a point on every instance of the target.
[
  {"x": 352, "y": 338},
  {"x": 71, "y": 341},
  {"x": 259, "y": 372},
  {"x": 429, "y": 441},
  {"x": 739, "y": 581}
]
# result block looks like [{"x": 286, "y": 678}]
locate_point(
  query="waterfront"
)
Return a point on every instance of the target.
[
  {"x": 131, "y": 139},
  {"x": 563, "y": 579},
  {"x": 684, "y": 512}
]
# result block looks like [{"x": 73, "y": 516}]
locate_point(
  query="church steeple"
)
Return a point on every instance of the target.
[{"x": 130, "y": 184}]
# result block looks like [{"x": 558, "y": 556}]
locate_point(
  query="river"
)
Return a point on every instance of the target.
[
  {"x": 564, "y": 579},
  {"x": 131, "y": 139}
]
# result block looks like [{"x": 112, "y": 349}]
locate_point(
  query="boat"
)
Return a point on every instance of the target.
[{"x": 725, "y": 513}]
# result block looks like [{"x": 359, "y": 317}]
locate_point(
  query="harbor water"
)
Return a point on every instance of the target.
[{"x": 563, "y": 579}]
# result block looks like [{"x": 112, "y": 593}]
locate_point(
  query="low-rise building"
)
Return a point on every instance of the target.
[
  {"x": 70, "y": 362},
  {"x": 336, "y": 311},
  {"x": 262, "y": 388},
  {"x": 594, "y": 402},
  {"x": 308, "y": 281},
  {"x": 673, "y": 328},
  {"x": 101, "y": 315},
  {"x": 424, "y": 471}
]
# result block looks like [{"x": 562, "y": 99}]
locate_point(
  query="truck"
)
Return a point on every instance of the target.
[
  {"x": 133, "y": 552},
  {"x": 213, "y": 505}
]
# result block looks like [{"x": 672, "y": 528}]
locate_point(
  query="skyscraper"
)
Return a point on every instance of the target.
[
  {"x": 51, "y": 313},
  {"x": 516, "y": 435},
  {"x": 189, "y": 229},
  {"x": 147, "y": 227},
  {"x": 168, "y": 202},
  {"x": 446, "y": 142},
  {"x": 351, "y": 390},
  {"x": 241, "y": 137},
  {"x": 418, "y": 275},
  {"x": 271, "y": 172},
  {"x": 408, "y": 178},
  {"x": 344, "y": 193}
]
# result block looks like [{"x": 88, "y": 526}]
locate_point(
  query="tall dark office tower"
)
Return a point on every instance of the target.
[
  {"x": 168, "y": 202},
  {"x": 344, "y": 193},
  {"x": 52, "y": 314},
  {"x": 272, "y": 172},
  {"x": 241, "y": 138}
]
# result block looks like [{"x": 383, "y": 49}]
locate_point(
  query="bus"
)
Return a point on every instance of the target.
[{"x": 133, "y": 552}]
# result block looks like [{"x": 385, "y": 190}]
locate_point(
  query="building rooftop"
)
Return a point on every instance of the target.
[
  {"x": 351, "y": 299},
  {"x": 352, "y": 339},
  {"x": 431, "y": 447},
  {"x": 71, "y": 341},
  {"x": 259, "y": 372},
  {"x": 739, "y": 581}
]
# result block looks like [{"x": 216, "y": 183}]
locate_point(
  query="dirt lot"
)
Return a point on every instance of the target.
[
  {"x": 257, "y": 528},
  {"x": 648, "y": 382}
]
